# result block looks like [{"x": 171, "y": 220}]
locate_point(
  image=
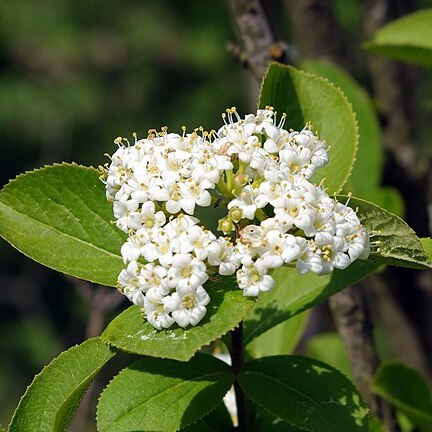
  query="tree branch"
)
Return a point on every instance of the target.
[
  {"x": 237, "y": 363},
  {"x": 260, "y": 45},
  {"x": 354, "y": 325}
]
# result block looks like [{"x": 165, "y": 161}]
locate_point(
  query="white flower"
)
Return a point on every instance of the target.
[
  {"x": 222, "y": 253},
  {"x": 253, "y": 279},
  {"x": 196, "y": 240},
  {"x": 187, "y": 272},
  {"x": 248, "y": 165},
  {"x": 309, "y": 259},
  {"x": 128, "y": 283},
  {"x": 189, "y": 307},
  {"x": 153, "y": 276},
  {"x": 249, "y": 201},
  {"x": 147, "y": 217},
  {"x": 154, "y": 309}
]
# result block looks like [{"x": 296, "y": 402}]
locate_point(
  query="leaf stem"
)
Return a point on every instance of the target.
[{"x": 237, "y": 363}]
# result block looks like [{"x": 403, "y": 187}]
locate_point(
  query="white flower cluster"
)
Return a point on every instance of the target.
[{"x": 275, "y": 216}]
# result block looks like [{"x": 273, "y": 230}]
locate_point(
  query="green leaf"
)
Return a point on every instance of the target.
[
  {"x": 398, "y": 243},
  {"x": 154, "y": 394},
  {"x": 218, "y": 420},
  {"x": 427, "y": 246},
  {"x": 375, "y": 425},
  {"x": 281, "y": 339},
  {"x": 330, "y": 349},
  {"x": 306, "y": 393},
  {"x": 370, "y": 153},
  {"x": 388, "y": 198},
  {"x": 408, "y": 39},
  {"x": 294, "y": 293},
  {"x": 58, "y": 216},
  {"x": 50, "y": 401},
  {"x": 267, "y": 422},
  {"x": 129, "y": 332},
  {"x": 305, "y": 97},
  {"x": 403, "y": 387}
]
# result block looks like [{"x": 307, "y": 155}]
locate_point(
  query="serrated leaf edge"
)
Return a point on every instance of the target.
[
  {"x": 126, "y": 367},
  {"x": 341, "y": 93},
  {"x": 376, "y": 255},
  {"x": 37, "y": 377},
  {"x": 30, "y": 172},
  {"x": 186, "y": 358},
  {"x": 317, "y": 361}
]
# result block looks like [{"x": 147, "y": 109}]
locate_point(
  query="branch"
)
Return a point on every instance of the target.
[
  {"x": 237, "y": 363},
  {"x": 260, "y": 45},
  {"x": 354, "y": 325}
]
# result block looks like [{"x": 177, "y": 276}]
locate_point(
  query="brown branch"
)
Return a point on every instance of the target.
[
  {"x": 260, "y": 45},
  {"x": 102, "y": 301},
  {"x": 390, "y": 90},
  {"x": 354, "y": 325}
]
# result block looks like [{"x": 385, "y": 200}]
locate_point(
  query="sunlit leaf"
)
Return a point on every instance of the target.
[
  {"x": 408, "y": 39},
  {"x": 58, "y": 216},
  {"x": 154, "y": 394},
  {"x": 370, "y": 152},
  {"x": 398, "y": 243},
  {"x": 330, "y": 349},
  {"x": 294, "y": 293},
  {"x": 281, "y": 339},
  {"x": 130, "y": 332},
  {"x": 52, "y": 398},
  {"x": 427, "y": 246},
  {"x": 305, "y": 97}
]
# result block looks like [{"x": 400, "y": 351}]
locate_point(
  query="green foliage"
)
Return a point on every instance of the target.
[
  {"x": 398, "y": 243},
  {"x": 427, "y": 246},
  {"x": 370, "y": 153},
  {"x": 330, "y": 349},
  {"x": 294, "y": 293},
  {"x": 154, "y": 394},
  {"x": 408, "y": 39},
  {"x": 403, "y": 387},
  {"x": 53, "y": 396},
  {"x": 218, "y": 420},
  {"x": 59, "y": 216},
  {"x": 305, "y": 97},
  {"x": 305, "y": 393},
  {"x": 281, "y": 339},
  {"x": 130, "y": 332},
  {"x": 267, "y": 422}
]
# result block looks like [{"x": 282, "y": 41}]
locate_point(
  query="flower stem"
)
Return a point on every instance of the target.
[{"x": 237, "y": 363}]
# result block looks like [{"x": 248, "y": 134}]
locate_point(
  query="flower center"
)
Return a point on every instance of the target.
[
  {"x": 188, "y": 301},
  {"x": 186, "y": 272}
]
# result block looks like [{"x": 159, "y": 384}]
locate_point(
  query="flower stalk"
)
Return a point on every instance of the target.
[{"x": 237, "y": 363}]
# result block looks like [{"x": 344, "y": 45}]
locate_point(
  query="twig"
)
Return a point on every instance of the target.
[
  {"x": 260, "y": 45},
  {"x": 237, "y": 363},
  {"x": 354, "y": 326},
  {"x": 102, "y": 301}
]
